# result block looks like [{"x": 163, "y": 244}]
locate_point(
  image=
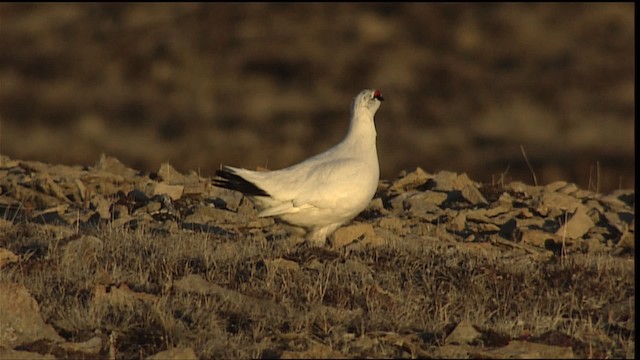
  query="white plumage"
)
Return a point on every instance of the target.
[{"x": 325, "y": 191}]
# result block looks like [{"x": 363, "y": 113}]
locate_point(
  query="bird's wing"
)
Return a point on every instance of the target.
[
  {"x": 330, "y": 183},
  {"x": 324, "y": 187}
]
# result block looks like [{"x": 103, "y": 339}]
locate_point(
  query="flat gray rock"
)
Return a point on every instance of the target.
[{"x": 20, "y": 320}]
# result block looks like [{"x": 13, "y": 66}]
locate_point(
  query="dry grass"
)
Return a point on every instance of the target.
[{"x": 417, "y": 287}]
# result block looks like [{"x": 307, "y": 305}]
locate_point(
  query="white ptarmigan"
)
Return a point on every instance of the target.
[{"x": 325, "y": 191}]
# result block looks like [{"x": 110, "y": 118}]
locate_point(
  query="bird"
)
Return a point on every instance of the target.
[{"x": 325, "y": 191}]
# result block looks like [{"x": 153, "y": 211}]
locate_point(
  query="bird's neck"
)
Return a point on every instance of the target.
[{"x": 362, "y": 131}]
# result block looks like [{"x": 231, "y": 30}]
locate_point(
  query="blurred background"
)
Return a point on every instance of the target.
[{"x": 467, "y": 86}]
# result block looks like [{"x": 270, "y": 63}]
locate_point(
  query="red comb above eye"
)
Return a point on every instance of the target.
[{"x": 376, "y": 93}]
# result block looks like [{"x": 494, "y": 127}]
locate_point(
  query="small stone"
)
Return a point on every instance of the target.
[
  {"x": 394, "y": 224},
  {"x": 520, "y": 187},
  {"x": 485, "y": 227},
  {"x": 411, "y": 180},
  {"x": 174, "y": 191},
  {"x": 577, "y": 226},
  {"x": 101, "y": 206},
  {"x": 20, "y": 319},
  {"x": 459, "y": 222},
  {"x": 175, "y": 353},
  {"x": 7, "y": 257},
  {"x": 397, "y": 202},
  {"x": 536, "y": 237},
  {"x": 170, "y": 175},
  {"x": 23, "y": 355},
  {"x": 498, "y": 210},
  {"x": 555, "y": 186},
  {"x": 421, "y": 203},
  {"x": 203, "y": 214},
  {"x": 464, "y": 333},
  {"x": 619, "y": 220},
  {"x": 568, "y": 189},
  {"x": 526, "y": 350},
  {"x": 558, "y": 201},
  {"x": 473, "y": 195},
  {"x": 280, "y": 264},
  {"x": 348, "y": 234},
  {"x": 91, "y": 346},
  {"x": 626, "y": 242},
  {"x": 449, "y": 181},
  {"x": 112, "y": 165}
]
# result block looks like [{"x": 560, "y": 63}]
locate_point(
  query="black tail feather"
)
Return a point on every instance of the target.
[{"x": 234, "y": 182}]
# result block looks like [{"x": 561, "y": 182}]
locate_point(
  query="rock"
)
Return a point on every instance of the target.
[
  {"x": 23, "y": 355},
  {"x": 450, "y": 351},
  {"x": 123, "y": 220},
  {"x": 473, "y": 195},
  {"x": 175, "y": 353},
  {"x": 7, "y": 257},
  {"x": 259, "y": 307},
  {"x": 498, "y": 210},
  {"x": 569, "y": 189},
  {"x": 203, "y": 215},
  {"x": 578, "y": 225},
  {"x": 112, "y": 165},
  {"x": 464, "y": 333},
  {"x": 101, "y": 205},
  {"x": 536, "y": 237},
  {"x": 89, "y": 347},
  {"x": 522, "y": 188},
  {"x": 397, "y": 202},
  {"x": 619, "y": 220},
  {"x": 410, "y": 180},
  {"x": 350, "y": 233},
  {"x": 423, "y": 204},
  {"x": 50, "y": 215},
  {"x": 526, "y": 350},
  {"x": 393, "y": 224},
  {"x": 30, "y": 196},
  {"x": 377, "y": 205},
  {"x": 449, "y": 181},
  {"x": 280, "y": 264},
  {"x": 314, "y": 351},
  {"x": 150, "y": 208},
  {"x": 173, "y": 191},
  {"x": 119, "y": 296},
  {"x": 169, "y": 175},
  {"x": 82, "y": 190},
  {"x": 20, "y": 320},
  {"x": 555, "y": 186},
  {"x": 619, "y": 199},
  {"x": 225, "y": 198},
  {"x": 557, "y": 201},
  {"x": 427, "y": 197},
  {"x": 459, "y": 223},
  {"x": 43, "y": 182},
  {"x": 483, "y": 227},
  {"x": 247, "y": 208},
  {"x": 626, "y": 244}
]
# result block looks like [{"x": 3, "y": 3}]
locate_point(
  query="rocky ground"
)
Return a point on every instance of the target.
[{"x": 105, "y": 261}]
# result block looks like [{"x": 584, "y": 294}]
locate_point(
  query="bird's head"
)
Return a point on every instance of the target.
[{"x": 368, "y": 100}]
